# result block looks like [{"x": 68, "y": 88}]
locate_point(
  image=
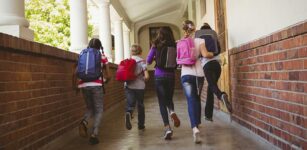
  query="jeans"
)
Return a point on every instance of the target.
[
  {"x": 165, "y": 90},
  {"x": 192, "y": 86},
  {"x": 136, "y": 96},
  {"x": 212, "y": 72},
  {"x": 94, "y": 106}
]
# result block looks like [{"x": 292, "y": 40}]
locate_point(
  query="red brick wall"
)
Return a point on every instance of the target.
[
  {"x": 269, "y": 86},
  {"x": 37, "y": 103}
]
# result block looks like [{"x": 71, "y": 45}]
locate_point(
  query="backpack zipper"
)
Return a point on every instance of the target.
[{"x": 86, "y": 65}]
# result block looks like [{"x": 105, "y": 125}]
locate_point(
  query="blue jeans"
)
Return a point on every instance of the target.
[
  {"x": 136, "y": 96},
  {"x": 165, "y": 90},
  {"x": 94, "y": 105},
  {"x": 192, "y": 86}
]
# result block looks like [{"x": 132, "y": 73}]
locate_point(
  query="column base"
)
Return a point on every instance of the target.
[{"x": 18, "y": 31}]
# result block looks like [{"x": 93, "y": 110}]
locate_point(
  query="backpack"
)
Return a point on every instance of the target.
[
  {"x": 211, "y": 40},
  {"x": 186, "y": 52},
  {"x": 125, "y": 70},
  {"x": 166, "y": 57},
  {"x": 89, "y": 65}
]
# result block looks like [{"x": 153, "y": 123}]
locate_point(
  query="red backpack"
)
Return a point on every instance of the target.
[{"x": 125, "y": 70}]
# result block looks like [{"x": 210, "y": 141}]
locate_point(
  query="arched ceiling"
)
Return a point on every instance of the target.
[{"x": 142, "y": 10}]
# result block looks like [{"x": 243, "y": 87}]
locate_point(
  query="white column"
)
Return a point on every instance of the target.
[
  {"x": 105, "y": 28},
  {"x": 78, "y": 25},
  {"x": 127, "y": 44},
  {"x": 119, "y": 45},
  {"x": 12, "y": 19}
]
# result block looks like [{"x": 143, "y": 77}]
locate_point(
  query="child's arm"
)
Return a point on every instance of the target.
[
  {"x": 204, "y": 52},
  {"x": 146, "y": 74},
  {"x": 151, "y": 55},
  {"x": 107, "y": 72}
]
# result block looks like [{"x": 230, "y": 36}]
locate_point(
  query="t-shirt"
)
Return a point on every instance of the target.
[
  {"x": 98, "y": 82},
  {"x": 139, "y": 82},
  {"x": 196, "y": 69}
]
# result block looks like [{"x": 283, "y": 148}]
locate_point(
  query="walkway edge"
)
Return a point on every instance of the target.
[
  {"x": 243, "y": 130},
  {"x": 70, "y": 135}
]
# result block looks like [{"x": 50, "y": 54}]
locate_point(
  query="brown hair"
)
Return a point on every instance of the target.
[
  {"x": 136, "y": 49},
  {"x": 164, "y": 37},
  {"x": 188, "y": 26}
]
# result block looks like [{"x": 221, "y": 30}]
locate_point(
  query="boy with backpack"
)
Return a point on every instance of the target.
[
  {"x": 135, "y": 87},
  {"x": 89, "y": 71}
]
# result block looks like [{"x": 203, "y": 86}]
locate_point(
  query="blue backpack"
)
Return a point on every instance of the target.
[
  {"x": 89, "y": 65},
  {"x": 211, "y": 40}
]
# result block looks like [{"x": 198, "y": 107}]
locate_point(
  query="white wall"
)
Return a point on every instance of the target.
[
  {"x": 209, "y": 16},
  {"x": 249, "y": 20}
]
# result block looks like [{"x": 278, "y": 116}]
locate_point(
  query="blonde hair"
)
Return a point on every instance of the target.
[
  {"x": 188, "y": 26},
  {"x": 136, "y": 49}
]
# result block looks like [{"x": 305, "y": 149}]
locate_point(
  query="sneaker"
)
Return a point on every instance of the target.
[
  {"x": 141, "y": 127},
  {"x": 128, "y": 121},
  {"x": 175, "y": 119},
  {"x": 168, "y": 134},
  {"x": 208, "y": 119},
  {"x": 83, "y": 129},
  {"x": 196, "y": 136},
  {"x": 224, "y": 99},
  {"x": 93, "y": 140}
]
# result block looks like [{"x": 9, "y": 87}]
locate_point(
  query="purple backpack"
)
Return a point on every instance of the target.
[{"x": 186, "y": 52}]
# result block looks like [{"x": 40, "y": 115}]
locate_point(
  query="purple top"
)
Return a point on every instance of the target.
[{"x": 159, "y": 72}]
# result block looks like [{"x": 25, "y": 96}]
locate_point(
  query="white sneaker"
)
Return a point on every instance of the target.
[{"x": 196, "y": 135}]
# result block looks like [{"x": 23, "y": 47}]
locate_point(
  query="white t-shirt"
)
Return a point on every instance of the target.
[
  {"x": 139, "y": 82},
  {"x": 194, "y": 70}
]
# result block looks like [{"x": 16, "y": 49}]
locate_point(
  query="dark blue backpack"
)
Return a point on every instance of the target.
[
  {"x": 211, "y": 40},
  {"x": 89, "y": 65}
]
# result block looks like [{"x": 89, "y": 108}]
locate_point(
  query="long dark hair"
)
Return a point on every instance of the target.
[
  {"x": 164, "y": 37},
  {"x": 95, "y": 43}
]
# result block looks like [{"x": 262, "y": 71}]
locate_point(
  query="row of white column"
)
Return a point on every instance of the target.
[{"x": 13, "y": 22}]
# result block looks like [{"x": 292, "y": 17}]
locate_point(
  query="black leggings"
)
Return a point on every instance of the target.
[{"x": 212, "y": 72}]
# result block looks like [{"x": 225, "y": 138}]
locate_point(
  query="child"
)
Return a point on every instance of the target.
[
  {"x": 192, "y": 78},
  {"x": 93, "y": 96},
  {"x": 164, "y": 80},
  {"x": 135, "y": 89}
]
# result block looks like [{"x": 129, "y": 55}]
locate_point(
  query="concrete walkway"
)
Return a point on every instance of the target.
[{"x": 219, "y": 135}]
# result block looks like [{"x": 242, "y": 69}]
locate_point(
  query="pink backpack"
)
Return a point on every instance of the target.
[{"x": 186, "y": 52}]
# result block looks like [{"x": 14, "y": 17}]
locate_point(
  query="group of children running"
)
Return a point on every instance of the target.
[{"x": 207, "y": 65}]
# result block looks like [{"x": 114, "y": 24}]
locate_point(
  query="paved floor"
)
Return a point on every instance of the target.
[{"x": 219, "y": 135}]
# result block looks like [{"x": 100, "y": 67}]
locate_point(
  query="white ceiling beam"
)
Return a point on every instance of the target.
[{"x": 121, "y": 12}]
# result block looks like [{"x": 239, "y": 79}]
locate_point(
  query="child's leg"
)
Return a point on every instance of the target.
[
  {"x": 141, "y": 108},
  {"x": 130, "y": 99}
]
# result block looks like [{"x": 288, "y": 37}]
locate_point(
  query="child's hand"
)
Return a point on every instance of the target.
[{"x": 146, "y": 75}]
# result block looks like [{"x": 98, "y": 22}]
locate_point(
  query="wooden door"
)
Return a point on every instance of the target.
[{"x": 220, "y": 21}]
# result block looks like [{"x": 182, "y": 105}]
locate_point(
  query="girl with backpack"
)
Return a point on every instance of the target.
[
  {"x": 212, "y": 70},
  {"x": 91, "y": 85},
  {"x": 164, "y": 79},
  {"x": 192, "y": 75}
]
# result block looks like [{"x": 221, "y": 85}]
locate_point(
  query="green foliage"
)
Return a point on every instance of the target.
[{"x": 50, "y": 21}]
